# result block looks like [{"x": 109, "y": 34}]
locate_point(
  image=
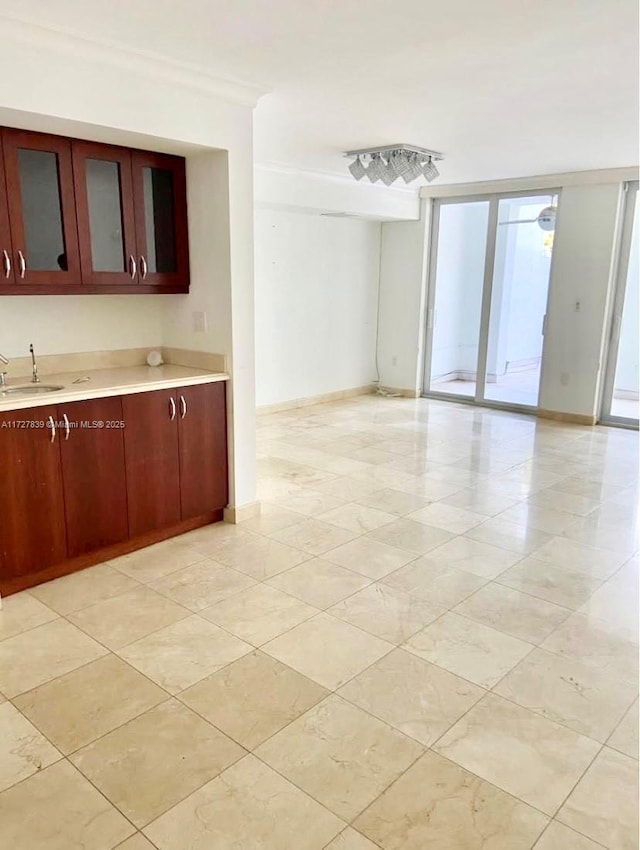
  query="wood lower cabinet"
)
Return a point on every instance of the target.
[
  {"x": 151, "y": 452},
  {"x": 202, "y": 439},
  {"x": 75, "y": 493},
  {"x": 93, "y": 474},
  {"x": 32, "y": 518},
  {"x": 176, "y": 455}
]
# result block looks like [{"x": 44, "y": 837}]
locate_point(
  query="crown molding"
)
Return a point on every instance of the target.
[
  {"x": 540, "y": 181},
  {"x": 331, "y": 176},
  {"x": 182, "y": 74}
]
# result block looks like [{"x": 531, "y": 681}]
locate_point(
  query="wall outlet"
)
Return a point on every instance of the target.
[{"x": 199, "y": 319}]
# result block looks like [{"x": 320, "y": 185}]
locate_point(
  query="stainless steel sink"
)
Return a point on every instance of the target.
[{"x": 30, "y": 389}]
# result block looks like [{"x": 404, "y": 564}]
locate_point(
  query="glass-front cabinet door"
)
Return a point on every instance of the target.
[
  {"x": 106, "y": 225},
  {"x": 161, "y": 219},
  {"x": 39, "y": 178}
]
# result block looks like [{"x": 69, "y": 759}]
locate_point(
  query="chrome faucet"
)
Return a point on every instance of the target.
[
  {"x": 3, "y": 375},
  {"x": 35, "y": 379}
]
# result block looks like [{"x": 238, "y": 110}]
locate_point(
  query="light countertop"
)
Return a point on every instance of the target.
[{"x": 106, "y": 382}]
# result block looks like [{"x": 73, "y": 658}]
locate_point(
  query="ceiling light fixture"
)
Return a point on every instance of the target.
[{"x": 393, "y": 161}]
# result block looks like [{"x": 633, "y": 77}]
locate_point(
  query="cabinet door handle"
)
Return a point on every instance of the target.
[
  {"x": 67, "y": 427},
  {"x": 132, "y": 266},
  {"x": 22, "y": 263},
  {"x": 172, "y": 408},
  {"x": 52, "y": 426},
  {"x": 183, "y": 407},
  {"x": 143, "y": 267},
  {"x": 6, "y": 259}
]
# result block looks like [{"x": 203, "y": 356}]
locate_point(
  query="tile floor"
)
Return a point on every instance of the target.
[{"x": 428, "y": 640}]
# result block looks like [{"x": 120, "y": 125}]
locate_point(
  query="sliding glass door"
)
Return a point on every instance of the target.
[
  {"x": 489, "y": 284},
  {"x": 620, "y": 405}
]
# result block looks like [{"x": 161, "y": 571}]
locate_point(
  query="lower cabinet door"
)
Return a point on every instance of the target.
[
  {"x": 32, "y": 521},
  {"x": 93, "y": 473},
  {"x": 203, "y": 448},
  {"x": 151, "y": 459}
]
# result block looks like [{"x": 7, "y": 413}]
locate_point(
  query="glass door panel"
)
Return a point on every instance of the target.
[
  {"x": 159, "y": 218},
  {"x": 519, "y": 292},
  {"x": 621, "y": 392},
  {"x": 41, "y": 208},
  {"x": 456, "y": 297},
  {"x": 105, "y": 216}
]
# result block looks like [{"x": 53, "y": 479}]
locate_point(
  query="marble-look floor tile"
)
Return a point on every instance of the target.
[
  {"x": 526, "y": 755},
  {"x": 348, "y": 488},
  {"x": 58, "y": 809},
  {"x": 468, "y": 649},
  {"x": 262, "y": 558},
  {"x": 136, "y": 842},
  {"x": 386, "y": 612},
  {"x": 122, "y": 619},
  {"x": 594, "y": 642},
  {"x": 158, "y": 560},
  {"x": 437, "y": 805},
  {"x": 78, "y": 590},
  {"x": 557, "y": 836},
  {"x": 587, "y": 699},
  {"x": 327, "y": 650},
  {"x": 471, "y": 556},
  {"x": 393, "y": 502},
  {"x": 450, "y": 518},
  {"x": 340, "y": 755},
  {"x": 23, "y": 750},
  {"x": 509, "y": 535},
  {"x": 357, "y": 518},
  {"x": 434, "y": 581},
  {"x": 418, "y": 698},
  {"x": 272, "y": 518},
  {"x": 211, "y": 539},
  {"x": 537, "y": 516},
  {"x": 151, "y": 763},
  {"x": 184, "y": 653},
  {"x": 604, "y": 804},
  {"x": 313, "y": 536},
  {"x": 546, "y": 581},
  {"x": 253, "y": 698},
  {"x": 351, "y": 840},
  {"x": 311, "y": 502},
  {"x": 369, "y": 557},
  {"x": 625, "y": 736},
  {"x": 43, "y": 653},
  {"x": 516, "y": 614},
  {"x": 597, "y": 563},
  {"x": 319, "y": 582},
  {"x": 202, "y": 584},
  {"x": 412, "y": 536},
  {"x": 86, "y": 703},
  {"x": 247, "y": 806},
  {"x": 20, "y": 612},
  {"x": 259, "y": 614},
  {"x": 616, "y": 601}
]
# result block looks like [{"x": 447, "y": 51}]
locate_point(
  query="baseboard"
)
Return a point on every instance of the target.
[
  {"x": 575, "y": 418},
  {"x": 399, "y": 391},
  {"x": 241, "y": 513},
  {"x": 294, "y": 403}
]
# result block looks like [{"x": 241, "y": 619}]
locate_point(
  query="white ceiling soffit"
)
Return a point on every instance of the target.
[{"x": 504, "y": 89}]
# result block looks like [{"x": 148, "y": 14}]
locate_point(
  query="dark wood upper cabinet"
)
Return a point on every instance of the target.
[
  {"x": 159, "y": 191},
  {"x": 42, "y": 215},
  {"x": 202, "y": 437},
  {"x": 80, "y": 217},
  {"x": 106, "y": 225},
  {"x": 32, "y": 531},
  {"x": 93, "y": 473},
  {"x": 7, "y": 276}
]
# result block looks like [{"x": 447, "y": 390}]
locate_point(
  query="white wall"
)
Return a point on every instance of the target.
[
  {"x": 402, "y": 292},
  {"x": 585, "y": 239},
  {"x": 316, "y": 304},
  {"x": 84, "y": 90}
]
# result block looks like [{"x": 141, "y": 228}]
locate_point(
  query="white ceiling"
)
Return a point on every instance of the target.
[{"x": 504, "y": 88}]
